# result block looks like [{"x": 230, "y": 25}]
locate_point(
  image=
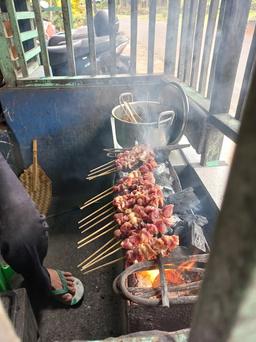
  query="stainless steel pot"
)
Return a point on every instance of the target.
[{"x": 158, "y": 128}]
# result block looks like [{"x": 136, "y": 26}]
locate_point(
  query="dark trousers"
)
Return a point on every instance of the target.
[
  {"x": 25, "y": 253},
  {"x": 23, "y": 231}
]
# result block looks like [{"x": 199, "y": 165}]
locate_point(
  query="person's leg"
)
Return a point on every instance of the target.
[
  {"x": 25, "y": 253},
  {"x": 24, "y": 235}
]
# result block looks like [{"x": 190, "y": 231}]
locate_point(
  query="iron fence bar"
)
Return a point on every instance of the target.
[
  {"x": 41, "y": 37},
  {"x": 66, "y": 12},
  {"x": 184, "y": 39},
  {"x": 16, "y": 37},
  {"x": 209, "y": 35},
  {"x": 216, "y": 48},
  {"x": 171, "y": 36},
  {"x": 247, "y": 73},
  {"x": 91, "y": 37},
  {"x": 198, "y": 43},
  {"x": 134, "y": 31},
  {"x": 6, "y": 64},
  {"x": 190, "y": 41},
  {"x": 151, "y": 35},
  {"x": 112, "y": 34}
]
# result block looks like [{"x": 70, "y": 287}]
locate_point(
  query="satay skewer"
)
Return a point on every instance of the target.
[
  {"x": 104, "y": 265},
  {"x": 101, "y": 193},
  {"x": 97, "y": 231},
  {"x": 105, "y": 226},
  {"x": 99, "y": 167},
  {"x": 105, "y": 169},
  {"x": 96, "y": 252},
  {"x": 103, "y": 173},
  {"x": 94, "y": 224},
  {"x": 96, "y": 217},
  {"x": 96, "y": 211},
  {"x": 101, "y": 254},
  {"x": 96, "y": 199},
  {"x": 102, "y": 258},
  {"x": 96, "y": 237}
]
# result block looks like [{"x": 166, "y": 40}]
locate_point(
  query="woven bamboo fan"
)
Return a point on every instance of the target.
[{"x": 37, "y": 183}]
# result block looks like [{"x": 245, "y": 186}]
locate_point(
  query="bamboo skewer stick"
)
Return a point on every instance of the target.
[
  {"x": 101, "y": 254},
  {"x": 103, "y": 174},
  {"x": 96, "y": 252},
  {"x": 96, "y": 237},
  {"x": 96, "y": 199},
  {"x": 104, "y": 265},
  {"x": 107, "y": 168},
  {"x": 102, "y": 258},
  {"x": 95, "y": 217},
  {"x": 35, "y": 166},
  {"x": 132, "y": 109},
  {"x": 129, "y": 111},
  {"x": 94, "y": 224},
  {"x": 101, "y": 193},
  {"x": 97, "y": 231},
  {"x": 105, "y": 226},
  {"x": 99, "y": 167},
  {"x": 96, "y": 211}
]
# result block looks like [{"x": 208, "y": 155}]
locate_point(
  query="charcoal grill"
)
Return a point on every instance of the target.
[
  {"x": 167, "y": 307},
  {"x": 165, "y": 294}
]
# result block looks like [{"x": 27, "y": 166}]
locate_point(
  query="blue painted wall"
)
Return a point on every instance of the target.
[{"x": 72, "y": 125}]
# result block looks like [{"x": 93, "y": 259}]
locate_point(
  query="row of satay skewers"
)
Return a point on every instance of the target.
[{"x": 137, "y": 216}]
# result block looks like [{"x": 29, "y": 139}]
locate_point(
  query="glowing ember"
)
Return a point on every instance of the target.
[{"x": 174, "y": 276}]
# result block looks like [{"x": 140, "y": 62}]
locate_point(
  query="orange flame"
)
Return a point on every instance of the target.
[{"x": 174, "y": 276}]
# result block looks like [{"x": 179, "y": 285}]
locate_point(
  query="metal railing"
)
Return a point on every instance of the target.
[{"x": 202, "y": 46}]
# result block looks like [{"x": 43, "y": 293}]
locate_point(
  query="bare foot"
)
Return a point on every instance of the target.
[{"x": 56, "y": 284}]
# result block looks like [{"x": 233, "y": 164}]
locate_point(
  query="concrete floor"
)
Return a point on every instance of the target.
[{"x": 99, "y": 314}]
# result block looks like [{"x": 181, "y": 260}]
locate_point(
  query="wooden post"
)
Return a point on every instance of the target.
[
  {"x": 198, "y": 43},
  {"x": 171, "y": 37},
  {"x": 112, "y": 34},
  {"x": 209, "y": 38},
  {"x": 6, "y": 64},
  {"x": 16, "y": 37},
  {"x": 247, "y": 73},
  {"x": 66, "y": 12},
  {"x": 41, "y": 36},
  {"x": 227, "y": 59},
  {"x": 226, "y": 306},
  {"x": 91, "y": 36},
  {"x": 134, "y": 28},
  {"x": 151, "y": 35}
]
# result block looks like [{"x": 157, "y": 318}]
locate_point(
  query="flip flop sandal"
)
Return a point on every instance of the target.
[{"x": 78, "y": 286}]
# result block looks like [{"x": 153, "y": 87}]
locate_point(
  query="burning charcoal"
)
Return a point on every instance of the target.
[{"x": 184, "y": 200}]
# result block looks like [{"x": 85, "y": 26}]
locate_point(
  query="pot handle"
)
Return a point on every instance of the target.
[
  {"x": 170, "y": 113},
  {"x": 125, "y": 97}
]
